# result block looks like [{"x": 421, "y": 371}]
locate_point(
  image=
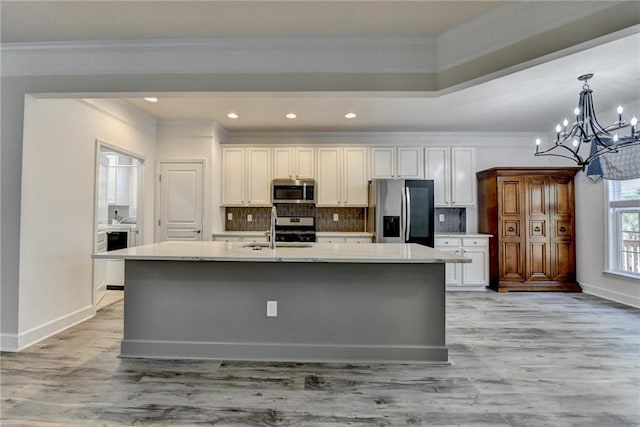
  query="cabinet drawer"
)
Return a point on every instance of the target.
[
  {"x": 448, "y": 242},
  {"x": 475, "y": 242}
]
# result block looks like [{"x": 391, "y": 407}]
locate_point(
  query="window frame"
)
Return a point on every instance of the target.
[{"x": 613, "y": 232}]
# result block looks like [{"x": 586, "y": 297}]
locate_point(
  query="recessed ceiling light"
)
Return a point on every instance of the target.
[
  {"x": 233, "y": 115},
  {"x": 291, "y": 116},
  {"x": 151, "y": 99},
  {"x": 350, "y": 115}
]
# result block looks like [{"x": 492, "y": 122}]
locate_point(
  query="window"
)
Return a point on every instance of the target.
[{"x": 624, "y": 226}]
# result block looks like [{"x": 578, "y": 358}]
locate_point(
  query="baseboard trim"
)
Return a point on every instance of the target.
[
  {"x": 9, "y": 342},
  {"x": 55, "y": 326},
  {"x": 611, "y": 295}
]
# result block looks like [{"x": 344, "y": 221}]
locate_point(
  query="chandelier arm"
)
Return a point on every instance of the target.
[
  {"x": 593, "y": 122},
  {"x": 574, "y": 155},
  {"x": 599, "y": 153}
]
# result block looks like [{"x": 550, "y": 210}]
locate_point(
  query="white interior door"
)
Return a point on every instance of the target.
[
  {"x": 181, "y": 201},
  {"x": 100, "y": 242}
]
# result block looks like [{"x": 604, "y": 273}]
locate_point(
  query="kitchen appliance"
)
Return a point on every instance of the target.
[
  {"x": 401, "y": 211},
  {"x": 295, "y": 229},
  {"x": 293, "y": 191},
  {"x": 121, "y": 236}
]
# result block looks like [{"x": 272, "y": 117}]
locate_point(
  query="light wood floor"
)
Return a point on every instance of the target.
[{"x": 519, "y": 359}]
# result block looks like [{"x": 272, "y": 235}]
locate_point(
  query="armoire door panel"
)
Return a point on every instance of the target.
[
  {"x": 510, "y": 228},
  {"x": 537, "y": 228},
  {"x": 510, "y": 194},
  {"x": 563, "y": 261},
  {"x": 511, "y": 262},
  {"x": 537, "y": 196},
  {"x": 538, "y": 265},
  {"x": 564, "y": 228},
  {"x": 563, "y": 196}
]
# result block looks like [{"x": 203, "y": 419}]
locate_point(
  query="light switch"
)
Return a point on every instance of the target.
[
  {"x": 272, "y": 308},
  {"x": 336, "y": 217},
  {"x": 249, "y": 217},
  {"x": 229, "y": 216},
  {"x": 441, "y": 218}
]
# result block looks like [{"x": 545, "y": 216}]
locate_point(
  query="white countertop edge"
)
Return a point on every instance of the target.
[
  {"x": 472, "y": 235},
  {"x": 317, "y": 253}
]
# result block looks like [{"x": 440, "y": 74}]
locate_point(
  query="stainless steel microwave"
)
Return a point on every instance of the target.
[{"x": 293, "y": 191}]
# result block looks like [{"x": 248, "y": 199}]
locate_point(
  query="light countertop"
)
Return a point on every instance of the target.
[
  {"x": 310, "y": 252},
  {"x": 452, "y": 234},
  {"x": 318, "y": 233}
]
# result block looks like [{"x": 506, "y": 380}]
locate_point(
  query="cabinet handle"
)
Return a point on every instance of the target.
[
  {"x": 563, "y": 229},
  {"x": 536, "y": 229},
  {"x": 198, "y": 231},
  {"x": 511, "y": 229}
]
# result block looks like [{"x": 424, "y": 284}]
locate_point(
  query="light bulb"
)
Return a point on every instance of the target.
[
  {"x": 615, "y": 138},
  {"x": 575, "y": 142},
  {"x": 620, "y": 109},
  {"x": 634, "y": 121},
  {"x": 558, "y": 128},
  {"x": 538, "y": 142},
  {"x": 576, "y": 111},
  {"x": 565, "y": 122}
]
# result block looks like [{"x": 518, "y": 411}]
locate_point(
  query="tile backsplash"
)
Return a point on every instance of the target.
[
  {"x": 349, "y": 219},
  {"x": 455, "y": 220}
]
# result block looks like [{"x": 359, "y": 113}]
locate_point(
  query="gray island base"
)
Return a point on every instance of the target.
[{"x": 376, "y": 304}]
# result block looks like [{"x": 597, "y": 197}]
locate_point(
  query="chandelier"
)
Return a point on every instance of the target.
[{"x": 586, "y": 129}]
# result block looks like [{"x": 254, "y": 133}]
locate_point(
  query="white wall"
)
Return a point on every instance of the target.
[
  {"x": 57, "y": 211},
  {"x": 196, "y": 140}
]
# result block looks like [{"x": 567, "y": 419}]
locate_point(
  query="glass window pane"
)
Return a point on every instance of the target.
[{"x": 630, "y": 240}]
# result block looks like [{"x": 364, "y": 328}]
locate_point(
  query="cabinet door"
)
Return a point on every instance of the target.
[
  {"x": 537, "y": 205},
  {"x": 304, "y": 163},
  {"x": 355, "y": 176},
  {"x": 562, "y": 229},
  {"x": 329, "y": 177},
  {"x": 437, "y": 169},
  {"x": 258, "y": 176},
  {"x": 476, "y": 272},
  {"x": 233, "y": 176},
  {"x": 383, "y": 161},
  {"x": 463, "y": 177},
  {"x": 410, "y": 163},
  {"x": 510, "y": 229},
  {"x": 451, "y": 270},
  {"x": 283, "y": 162}
]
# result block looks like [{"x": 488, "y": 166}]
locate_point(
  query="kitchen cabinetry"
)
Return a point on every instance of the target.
[
  {"x": 293, "y": 163},
  {"x": 531, "y": 213},
  {"x": 397, "y": 162},
  {"x": 453, "y": 172},
  {"x": 342, "y": 176},
  {"x": 468, "y": 276},
  {"x": 246, "y": 176},
  {"x": 119, "y": 180}
]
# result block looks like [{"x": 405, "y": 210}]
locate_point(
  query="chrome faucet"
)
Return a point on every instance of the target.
[{"x": 272, "y": 232}]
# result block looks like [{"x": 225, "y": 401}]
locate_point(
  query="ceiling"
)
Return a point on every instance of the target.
[{"x": 533, "y": 98}]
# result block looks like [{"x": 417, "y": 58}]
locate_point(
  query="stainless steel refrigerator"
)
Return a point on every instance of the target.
[{"x": 401, "y": 211}]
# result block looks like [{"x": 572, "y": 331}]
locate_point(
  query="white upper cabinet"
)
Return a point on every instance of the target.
[
  {"x": 342, "y": 176},
  {"x": 397, "y": 162},
  {"x": 293, "y": 163},
  {"x": 453, "y": 172},
  {"x": 119, "y": 180},
  {"x": 246, "y": 176}
]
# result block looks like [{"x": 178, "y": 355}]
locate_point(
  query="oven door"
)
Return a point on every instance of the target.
[{"x": 117, "y": 240}]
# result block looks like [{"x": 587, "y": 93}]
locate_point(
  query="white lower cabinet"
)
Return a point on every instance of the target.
[
  {"x": 342, "y": 238},
  {"x": 467, "y": 276}
]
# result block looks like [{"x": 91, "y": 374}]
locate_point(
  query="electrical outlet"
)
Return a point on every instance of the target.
[
  {"x": 249, "y": 217},
  {"x": 229, "y": 216},
  {"x": 441, "y": 218},
  {"x": 336, "y": 217},
  {"x": 272, "y": 308}
]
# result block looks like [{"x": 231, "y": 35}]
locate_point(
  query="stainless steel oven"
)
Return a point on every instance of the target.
[
  {"x": 293, "y": 191},
  {"x": 295, "y": 229}
]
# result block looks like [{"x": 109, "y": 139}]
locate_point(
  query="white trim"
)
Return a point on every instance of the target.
[
  {"x": 9, "y": 342},
  {"x": 622, "y": 275},
  {"x": 611, "y": 295},
  {"x": 123, "y": 112},
  {"x": 53, "y": 327}
]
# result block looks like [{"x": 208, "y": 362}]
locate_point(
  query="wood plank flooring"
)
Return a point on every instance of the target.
[{"x": 518, "y": 359}]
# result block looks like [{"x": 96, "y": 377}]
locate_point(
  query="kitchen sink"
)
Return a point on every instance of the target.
[{"x": 260, "y": 245}]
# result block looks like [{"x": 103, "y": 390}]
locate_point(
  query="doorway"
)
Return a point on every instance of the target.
[{"x": 118, "y": 215}]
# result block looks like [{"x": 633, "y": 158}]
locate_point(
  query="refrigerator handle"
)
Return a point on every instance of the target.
[
  {"x": 403, "y": 213},
  {"x": 407, "y": 214}
]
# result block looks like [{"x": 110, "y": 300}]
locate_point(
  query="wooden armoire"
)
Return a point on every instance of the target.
[{"x": 530, "y": 212}]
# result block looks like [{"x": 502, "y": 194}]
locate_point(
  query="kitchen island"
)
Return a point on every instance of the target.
[{"x": 327, "y": 302}]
